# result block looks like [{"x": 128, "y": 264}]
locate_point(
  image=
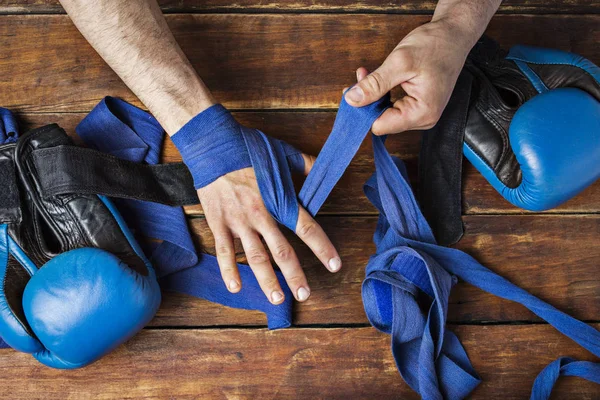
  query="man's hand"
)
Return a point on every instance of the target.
[
  {"x": 426, "y": 64},
  {"x": 234, "y": 209}
]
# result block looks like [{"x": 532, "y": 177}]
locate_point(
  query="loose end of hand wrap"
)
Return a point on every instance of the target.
[
  {"x": 9, "y": 130},
  {"x": 205, "y": 282}
]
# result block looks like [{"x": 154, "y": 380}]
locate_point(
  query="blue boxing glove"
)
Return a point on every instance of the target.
[
  {"x": 74, "y": 283},
  {"x": 533, "y": 125}
]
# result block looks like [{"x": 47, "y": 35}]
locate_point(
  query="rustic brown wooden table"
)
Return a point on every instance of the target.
[{"x": 281, "y": 65}]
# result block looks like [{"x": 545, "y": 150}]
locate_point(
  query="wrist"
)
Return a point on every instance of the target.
[
  {"x": 464, "y": 20},
  {"x": 181, "y": 110},
  {"x": 461, "y": 35}
]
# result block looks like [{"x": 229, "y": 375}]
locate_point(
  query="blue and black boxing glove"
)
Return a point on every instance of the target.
[
  {"x": 533, "y": 124},
  {"x": 74, "y": 283}
]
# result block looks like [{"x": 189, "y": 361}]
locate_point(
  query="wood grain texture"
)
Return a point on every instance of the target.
[
  {"x": 308, "y": 131},
  {"x": 409, "y": 6},
  {"x": 249, "y": 61},
  {"x": 553, "y": 257},
  {"x": 296, "y": 363}
]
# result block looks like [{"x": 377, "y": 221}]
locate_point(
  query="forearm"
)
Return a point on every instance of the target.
[
  {"x": 467, "y": 19},
  {"x": 135, "y": 41}
]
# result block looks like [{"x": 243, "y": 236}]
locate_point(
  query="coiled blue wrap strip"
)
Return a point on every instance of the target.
[{"x": 429, "y": 357}]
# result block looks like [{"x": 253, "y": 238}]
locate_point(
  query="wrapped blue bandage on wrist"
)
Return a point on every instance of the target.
[{"x": 212, "y": 145}]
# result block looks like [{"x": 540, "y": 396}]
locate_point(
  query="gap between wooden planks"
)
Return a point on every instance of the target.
[
  {"x": 308, "y": 132},
  {"x": 336, "y": 363},
  {"x": 387, "y": 6}
]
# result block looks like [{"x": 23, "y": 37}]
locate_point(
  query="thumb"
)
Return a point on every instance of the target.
[
  {"x": 395, "y": 70},
  {"x": 373, "y": 87},
  {"x": 370, "y": 89}
]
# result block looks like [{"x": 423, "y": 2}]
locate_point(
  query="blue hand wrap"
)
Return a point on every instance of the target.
[
  {"x": 408, "y": 260},
  {"x": 211, "y": 145}
]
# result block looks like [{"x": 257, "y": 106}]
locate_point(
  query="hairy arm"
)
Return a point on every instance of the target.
[
  {"x": 134, "y": 39},
  {"x": 426, "y": 64}
]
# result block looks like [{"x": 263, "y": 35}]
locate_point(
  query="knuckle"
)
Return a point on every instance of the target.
[
  {"x": 227, "y": 270},
  {"x": 376, "y": 82},
  {"x": 283, "y": 252},
  {"x": 295, "y": 280},
  {"x": 257, "y": 256},
  {"x": 396, "y": 59},
  {"x": 307, "y": 229},
  {"x": 256, "y": 208},
  {"x": 224, "y": 250},
  {"x": 271, "y": 283},
  {"x": 321, "y": 251},
  {"x": 310, "y": 161}
]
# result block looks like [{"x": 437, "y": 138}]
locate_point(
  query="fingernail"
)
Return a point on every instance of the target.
[
  {"x": 233, "y": 285},
  {"x": 335, "y": 264},
  {"x": 357, "y": 76},
  {"x": 355, "y": 94},
  {"x": 303, "y": 294},
  {"x": 276, "y": 297}
]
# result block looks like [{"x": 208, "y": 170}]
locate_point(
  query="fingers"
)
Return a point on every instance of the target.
[
  {"x": 309, "y": 161},
  {"x": 407, "y": 114},
  {"x": 288, "y": 262},
  {"x": 315, "y": 238},
  {"x": 259, "y": 262},
  {"x": 375, "y": 85},
  {"x": 361, "y": 74},
  {"x": 225, "y": 252}
]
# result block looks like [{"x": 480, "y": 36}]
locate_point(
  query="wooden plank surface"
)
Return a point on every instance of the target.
[
  {"x": 337, "y": 363},
  {"x": 388, "y": 6},
  {"x": 249, "y": 61},
  {"x": 283, "y": 74}
]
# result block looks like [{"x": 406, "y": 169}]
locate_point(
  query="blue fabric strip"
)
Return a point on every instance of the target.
[
  {"x": 9, "y": 130},
  {"x": 429, "y": 357},
  {"x": 564, "y": 366}
]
